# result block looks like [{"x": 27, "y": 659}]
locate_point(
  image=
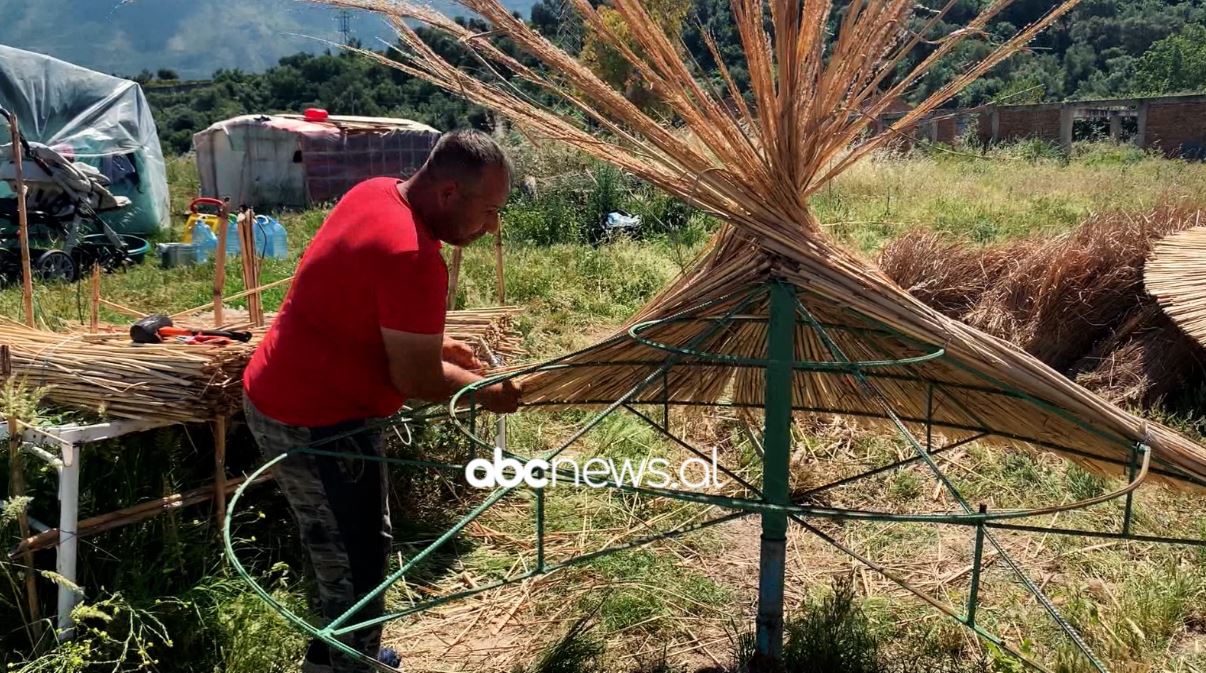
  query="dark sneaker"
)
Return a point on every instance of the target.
[{"x": 389, "y": 657}]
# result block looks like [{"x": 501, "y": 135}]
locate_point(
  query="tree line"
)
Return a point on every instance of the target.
[{"x": 1104, "y": 48}]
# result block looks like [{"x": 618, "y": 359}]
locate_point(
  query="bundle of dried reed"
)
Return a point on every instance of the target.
[
  {"x": 1147, "y": 360},
  {"x": 109, "y": 375},
  {"x": 947, "y": 274},
  {"x": 1176, "y": 276},
  {"x": 817, "y": 79},
  {"x": 1065, "y": 295},
  {"x": 106, "y": 374},
  {"x": 1076, "y": 302}
]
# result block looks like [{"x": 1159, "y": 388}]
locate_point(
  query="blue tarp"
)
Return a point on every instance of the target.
[{"x": 91, "y": 117}]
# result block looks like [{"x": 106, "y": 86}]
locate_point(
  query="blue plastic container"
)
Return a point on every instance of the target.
[
  {"x": 232, "y": 238},
  {"x": 205, "y": 241},
  {"x": 276, "y": 239},
  {"x": 263, "y": 239}
]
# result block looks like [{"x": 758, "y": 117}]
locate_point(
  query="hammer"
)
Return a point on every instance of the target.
[{"x": 153, "y": 328}]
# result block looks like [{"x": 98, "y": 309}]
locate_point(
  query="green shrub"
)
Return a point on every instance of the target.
[
  {"x": 660, "y": 213},
  {"x": 1109, "y": 154},
  {"x": 1033, "y": 150},
  {"x": 832, "y": 635},
  {"x": 549, "y": 219}
]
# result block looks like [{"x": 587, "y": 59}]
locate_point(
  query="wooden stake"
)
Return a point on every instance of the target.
[
  {"x": 245, "y": 293},
  {"x": 22, "y": 223},
  {"x": 255, "y": 259},
  {"x": 220, "y": 264},
  {"x": 256, "y": 295},
  {"x": 499, "y": 280},
  {"x": 94, "y": 323},
  {"x": 251, "y": 268},
  {"x": 220, "y": 469},
  {"x": 244, "y": 221},
  {"x": 454, "y": 275}
]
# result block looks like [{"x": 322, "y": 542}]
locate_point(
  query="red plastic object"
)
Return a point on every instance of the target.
[
  {"x": 204, "y": 201},
  {"x": 315, "y": 114}
]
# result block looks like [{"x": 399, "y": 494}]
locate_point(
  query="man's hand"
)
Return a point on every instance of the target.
[
  {"x": 460, "y": 354},
  {"x": 417, "y": 370},
  {"x": 502, "y": 397}
]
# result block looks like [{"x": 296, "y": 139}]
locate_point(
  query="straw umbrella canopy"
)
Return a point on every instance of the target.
[
  {"x": 1176, "y": 276},
  {"x": 820, "y": 74}
]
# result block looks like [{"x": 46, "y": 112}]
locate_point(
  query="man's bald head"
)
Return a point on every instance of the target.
[
  {"x": 464, "y": 156},
  {"x": 459, "y": 192}
]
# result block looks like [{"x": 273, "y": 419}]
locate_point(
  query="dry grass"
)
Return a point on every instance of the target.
[
  {"x": 1076, "y": 301},
  {"x": 945, "y": 273},
  {"x": 999, "y": 195}
]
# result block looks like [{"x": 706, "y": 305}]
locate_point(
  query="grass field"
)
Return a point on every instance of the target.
[{"x": 684, "y": 604}]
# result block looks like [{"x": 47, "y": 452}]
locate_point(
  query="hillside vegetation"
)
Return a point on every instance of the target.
[{"x": 1103, "y": 48}]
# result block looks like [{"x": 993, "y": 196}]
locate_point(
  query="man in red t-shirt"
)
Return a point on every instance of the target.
[{"x": 361, "y": 332}]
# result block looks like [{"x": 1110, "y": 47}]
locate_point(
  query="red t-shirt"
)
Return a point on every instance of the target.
[{"x": 371, "y": 265}]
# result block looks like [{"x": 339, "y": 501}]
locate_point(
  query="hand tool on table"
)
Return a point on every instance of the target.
[{"x": 157, "y": 328}]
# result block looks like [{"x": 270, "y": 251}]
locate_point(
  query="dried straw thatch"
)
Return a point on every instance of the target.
[
  {"x": 1176, "y": 276},
  {"x": 1076, "y": 301},
  {"x": 106, "y": 374},
  {"x": 949, "y": 275},
  {"x": 755, "y": 163}
]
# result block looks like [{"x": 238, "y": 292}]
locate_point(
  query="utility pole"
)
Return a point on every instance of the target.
[{"x": 345, "y": 25}]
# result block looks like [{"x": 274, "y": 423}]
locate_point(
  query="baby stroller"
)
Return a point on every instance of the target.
[{"x": 63, "y": 200}]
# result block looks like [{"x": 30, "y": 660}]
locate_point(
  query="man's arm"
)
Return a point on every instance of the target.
[{"x": 417, "y": 370}]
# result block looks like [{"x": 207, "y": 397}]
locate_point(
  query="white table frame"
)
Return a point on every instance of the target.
[{"x": 68, "y": 439}]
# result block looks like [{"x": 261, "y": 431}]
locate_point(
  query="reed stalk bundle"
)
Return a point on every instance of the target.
[
  {"x": 106, "y": 374},
  {"x": 1076, "y": 302},
  {"x": 819, "y": 74},
  {"x": 1176, "y": 276}
]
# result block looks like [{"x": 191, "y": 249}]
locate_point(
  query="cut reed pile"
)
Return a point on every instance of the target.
[
  {"x": 110, "y": 376},
  {"x": 947, "y": 274},
  {"x": 1075, "y": 302},
  {"x": 107, "y": 374},
  {"x": 819, "y": 73},
  {"x": 1176, "y": 276}
]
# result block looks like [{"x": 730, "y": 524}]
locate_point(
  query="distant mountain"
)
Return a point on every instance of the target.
[{"x": 192, "y": 37}]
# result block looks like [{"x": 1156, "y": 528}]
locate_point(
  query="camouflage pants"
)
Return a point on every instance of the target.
[{"x": 342, "y": 513}]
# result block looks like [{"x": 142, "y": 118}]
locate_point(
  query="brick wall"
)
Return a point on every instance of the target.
[
  {"x": 1177, "y": 128},
  {"x": 1029, "y": 123},
  {"x": 984, "y": 127},
  {"x": 946, "y": 130}
]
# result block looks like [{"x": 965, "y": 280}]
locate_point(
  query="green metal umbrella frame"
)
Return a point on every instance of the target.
[{"x": 772, "y": 501}]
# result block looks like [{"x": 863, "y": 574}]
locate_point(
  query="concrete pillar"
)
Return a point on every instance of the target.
[
  {"x": 1067, "y": 118},
  {"x": 1141, "y": 138},
  {"x": 1115, "y": 127}
]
